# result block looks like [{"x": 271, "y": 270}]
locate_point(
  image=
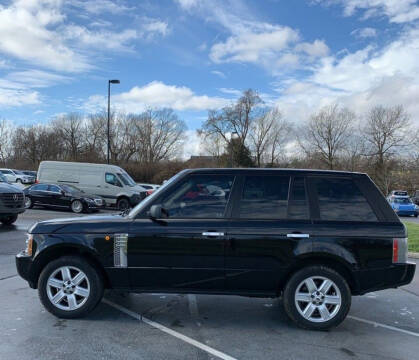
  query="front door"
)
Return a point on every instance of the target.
[
  {"x": 184, "y": 251},
  {"x": 270, "y": 226}
]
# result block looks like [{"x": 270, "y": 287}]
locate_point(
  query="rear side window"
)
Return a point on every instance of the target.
[
  {"x": 40, "y": 187},
  {"x": 264, "y": 197},
  {"x": 341, "y": 200},
  {"x": 298, "y": 203}
]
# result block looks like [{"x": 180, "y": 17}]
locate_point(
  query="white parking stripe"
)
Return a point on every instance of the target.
[
  {"x": 169, "y": 331},
  {"x": 376, "y": 324}
]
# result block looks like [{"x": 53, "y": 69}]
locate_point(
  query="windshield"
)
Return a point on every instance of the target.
[
  {"x": 134, "y": 211},
  {"x": 402, "y": 201},
  {"x": 70, "y": 188},
  {"x": 126, "y": 179},
  {"x": 18, "y": 172}
]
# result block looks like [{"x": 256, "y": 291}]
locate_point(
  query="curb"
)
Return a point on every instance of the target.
[{"x": 414, "y": 255}]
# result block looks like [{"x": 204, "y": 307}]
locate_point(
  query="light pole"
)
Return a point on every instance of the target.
[
  {"x": 109, "y": 112},
  {"x": 233, "y": 136}
]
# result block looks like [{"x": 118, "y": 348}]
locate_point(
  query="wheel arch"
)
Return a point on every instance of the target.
[
  {"x": 55, "y": 252},
  {"x": 340, "y": 265}
]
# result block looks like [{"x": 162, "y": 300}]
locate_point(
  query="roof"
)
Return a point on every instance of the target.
[{"x": 274, "y": 170}]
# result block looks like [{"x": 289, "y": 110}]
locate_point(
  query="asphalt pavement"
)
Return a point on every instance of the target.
[{"x": 380, "y": 325}]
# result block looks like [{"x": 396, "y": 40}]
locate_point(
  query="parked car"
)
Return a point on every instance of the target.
[
  {"x": 403, "y": 206},
  {"x": 415, "y": 197},
  {"x": 11, "y": 202},
  {"x": 17, "y": 176},
  {"x": 150, "y": 188},
  {"x": 107, "y": 181},
  {"x": 61, "y": 196},
  {"x": 30, "y": 173},
  {"x": 314, "y": 237},
  {"x": 398, "y": 193}
]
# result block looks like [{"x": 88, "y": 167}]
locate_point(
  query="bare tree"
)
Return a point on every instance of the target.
[
  {"x": 268, "y": 134},
  {"x": 69, "y": 128},
  {"x": 326, "y": 133},
  {"x": 159, "y": 135},
  {"x": 6, "y": 133},
  {"x": 387, "y": 131}
]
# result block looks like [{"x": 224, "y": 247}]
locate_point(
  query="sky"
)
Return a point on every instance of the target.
[{"x": 57, "y": 56}]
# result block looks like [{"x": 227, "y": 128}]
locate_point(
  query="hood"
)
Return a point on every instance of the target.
[
  {"x": 138, "y": 188},
  {"x": 97, "y": 224},
  {"x": 8, "y": 188}
]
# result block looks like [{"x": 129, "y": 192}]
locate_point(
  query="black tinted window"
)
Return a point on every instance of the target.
[
  {"x": 54, "y": 188},
  {"x": 40, "y": 187},
  {"x": 340, "y": 199},
  {"x": 298, "y": 204},
  {"x": 199, "y": 196},
  {"x": 264, "y": 197}
]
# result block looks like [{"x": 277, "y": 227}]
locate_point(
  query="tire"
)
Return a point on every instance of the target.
[
  {"x": 123, "y": 204},
  {"x": 28, "y": 202},
  {"x": 333, "y": 303},
  {"x": 8, "y": 220},
  {"x": 72, "y": 301},
  {"x": 77, "y": 206}
]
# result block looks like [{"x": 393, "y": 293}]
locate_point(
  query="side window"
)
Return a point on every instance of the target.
[
  {"x": 40, "y": 187},
  {"x": 298, "y": 204},
  {"x": 54, "y": 188},
  {"x": 199, "y": 196},
  {"x": 264, "y": 197},
  {"x": 112, "y": 179},
  {"x": 341, "y": 200}
]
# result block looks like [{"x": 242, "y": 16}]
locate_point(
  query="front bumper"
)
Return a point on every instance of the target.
[
  {"x": 23, "y": 266},
  {"x": 379, "y": 279},
  {"x": 28, "y": 181}
]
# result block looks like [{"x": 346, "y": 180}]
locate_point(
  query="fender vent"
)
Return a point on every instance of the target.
[{"x": 120, "y": 247}]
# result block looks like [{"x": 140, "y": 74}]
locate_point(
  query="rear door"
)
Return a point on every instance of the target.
[
  {"x": 270, "y": 226},
  {"x": 39, "y": 194}
]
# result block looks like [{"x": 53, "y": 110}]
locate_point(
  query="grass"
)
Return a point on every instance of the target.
[{"x": 413, "y": 233}]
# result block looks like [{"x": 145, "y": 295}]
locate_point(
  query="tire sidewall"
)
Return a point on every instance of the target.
[
  {"x": 30, "y": 204},
  {"x": 121, "y": 200},
  {"x": 297, "y": 278},
  {"x": 95, "y": 281}
]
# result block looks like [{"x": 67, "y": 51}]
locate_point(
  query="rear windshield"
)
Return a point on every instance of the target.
[{"x": 402, "y": 201}]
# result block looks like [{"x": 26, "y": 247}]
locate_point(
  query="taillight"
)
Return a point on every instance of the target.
[
  {"x": 399, "y": 250},
  {"x": 149, "y": 192}
]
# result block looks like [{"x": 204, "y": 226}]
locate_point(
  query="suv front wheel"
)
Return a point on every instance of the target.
[
  {"x": 70, "y": 287},
  {"x": 8, "y": 220},
  {"x": 317, "y": 298}
]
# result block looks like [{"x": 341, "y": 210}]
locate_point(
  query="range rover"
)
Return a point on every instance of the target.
[{"x": 314, "y": 238}]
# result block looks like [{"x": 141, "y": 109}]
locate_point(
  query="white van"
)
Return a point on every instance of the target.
[{"x": 108, "y": 181}]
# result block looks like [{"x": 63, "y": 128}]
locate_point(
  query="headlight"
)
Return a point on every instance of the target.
[{"x": 29, "y": 243}]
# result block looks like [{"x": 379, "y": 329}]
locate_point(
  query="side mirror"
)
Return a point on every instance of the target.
[{"x": 156, "y": 212}]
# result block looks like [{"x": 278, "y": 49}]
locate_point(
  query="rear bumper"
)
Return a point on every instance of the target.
[
  {"x": 407, "y": 213},
  {"x": 380, "y": 279},
  {"x": 23, "y": 266}
]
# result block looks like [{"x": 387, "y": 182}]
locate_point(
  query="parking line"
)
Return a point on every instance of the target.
[
  {"x": 376, "y": 324},
  {"x": 169, "y": 331}
]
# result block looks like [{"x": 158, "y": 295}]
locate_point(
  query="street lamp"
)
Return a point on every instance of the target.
[
  {"x": 233, "y": 135},
  {"x": 109, "y": 111}
]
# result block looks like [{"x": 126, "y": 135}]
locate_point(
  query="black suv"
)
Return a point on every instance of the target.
[
  {"x": 314, "y": 237},
  {"x": 11, "y": 202}
]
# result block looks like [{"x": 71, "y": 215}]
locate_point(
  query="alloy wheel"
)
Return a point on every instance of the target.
[
  {"x": 77, "y": 206},
  {"x": 318, "y": 299},
  {"x": 68, "y": 288}
]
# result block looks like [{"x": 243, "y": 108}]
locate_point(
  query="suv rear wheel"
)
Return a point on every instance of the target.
[
  {"x": 317, "y": 298},
  {"x": 70, "y": 287}
]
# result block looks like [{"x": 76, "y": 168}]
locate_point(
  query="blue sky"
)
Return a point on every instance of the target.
[{"x": 56, "y": 56}]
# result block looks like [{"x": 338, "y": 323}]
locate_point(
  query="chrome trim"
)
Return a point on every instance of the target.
[
  {"x": 212, "y": 233},
  {"x": 298, "y": 236},
  {"x": 120, "y": 246}
]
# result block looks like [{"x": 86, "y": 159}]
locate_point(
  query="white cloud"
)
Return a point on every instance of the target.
[
  {"x": 157, "y": 94},
  {"x": 364, "y": 33},
  {"x": 359, "y": 80},
  {"x": 398, "y": 11},
  {"x": 316, "y": 49},
  {"x": 101, "y": 6},
  {"x": 26, "y": 33},
  {"x": 218, "y": 73},
  {"x": 14, "y": 97},
  {"x": 187, "y": 4},
  {"x": 36, "y": 78}
]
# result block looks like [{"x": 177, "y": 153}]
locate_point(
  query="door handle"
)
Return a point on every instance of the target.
[
  {"x": 298, "y": 236},
  {"x": 212, "y": 233}
]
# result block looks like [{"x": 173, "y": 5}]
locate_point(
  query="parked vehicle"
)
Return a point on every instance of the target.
[
  {"x": 11, "y": 202},
  {"x": 398, "y": 193},
  {"x": 314, "y": 237},
  {"x": 30, "y": 173},
  {"x": 61, "y": 196},
  {"x": 403, "y": 206},
  {"x": 150, "y": 188},
  {"x": 415, "y": 197},
  {"x": 107, "y": 181},
  {"x": 17, "y": 176}
]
